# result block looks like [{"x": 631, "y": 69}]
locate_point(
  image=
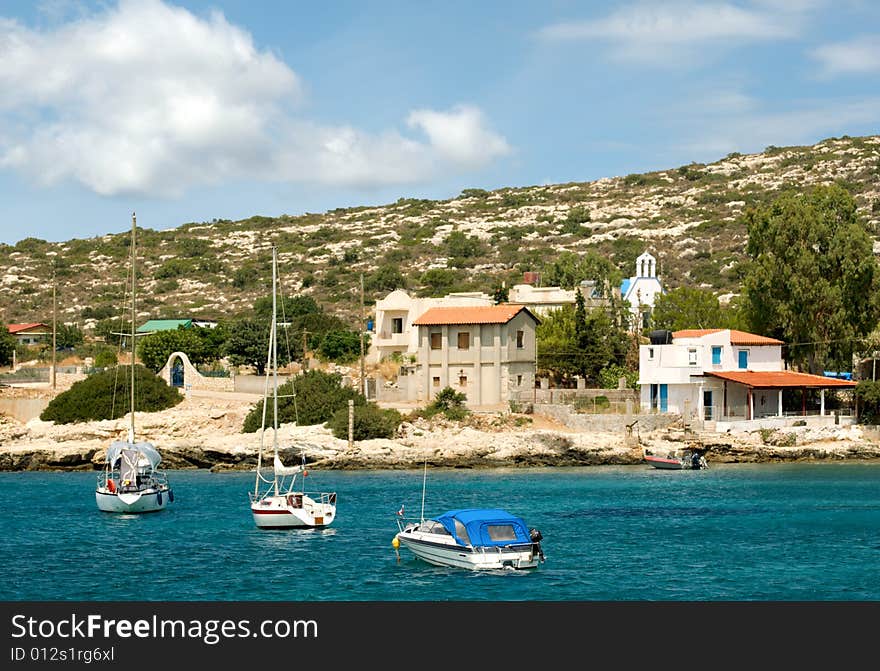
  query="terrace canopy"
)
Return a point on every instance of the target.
[{"x": 779, "y": 380}]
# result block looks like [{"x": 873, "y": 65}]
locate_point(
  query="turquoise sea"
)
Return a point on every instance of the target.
[{"x": 780, "y": 532}]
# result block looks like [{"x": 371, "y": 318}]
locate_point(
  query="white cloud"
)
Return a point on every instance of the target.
[
  {"x": 647, "y": 32},
  {"x": 148, "y": 98},
  {"x": 857, "y": 56},
  {"x": 460, "y": 135}
]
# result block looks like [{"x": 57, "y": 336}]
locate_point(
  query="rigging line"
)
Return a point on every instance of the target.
[{"x": 289, "y": 357}]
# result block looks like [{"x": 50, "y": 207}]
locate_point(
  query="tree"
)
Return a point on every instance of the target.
[
  {"x": 501, "y": 294},
  {"x": 688, "y": 308},
  {"x": 556, "y": 341},
  {"x": 247, "y": 344},
  {"x": 438, "y": 281},
  {"x": 386, "y": 278},
  {"x": 811, "y": 278},
  {"x": 341, "y": 346},
  {"x": 307, "y": 399},
  {"x": 7, "y": 346},
  {"x": 289, "y": 307},
  {"x": 154, "y": 349},
  {"x": 67, "y": 336}
]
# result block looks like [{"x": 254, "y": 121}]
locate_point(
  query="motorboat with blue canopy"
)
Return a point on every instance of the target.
[{"x": 475, "y": 538}]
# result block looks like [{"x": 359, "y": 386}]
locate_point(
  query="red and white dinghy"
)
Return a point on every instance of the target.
[
  {"x": 689, "y": 460},
  {"x": 666, "y": 463}
]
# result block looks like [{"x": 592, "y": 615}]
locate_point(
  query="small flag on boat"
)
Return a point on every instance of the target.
[{"x": 400, "y": 512}]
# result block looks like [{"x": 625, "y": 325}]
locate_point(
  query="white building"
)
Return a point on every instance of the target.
[
  {"x": 720, "y": 376},
  {"x": 394, "y": 331},
  {"x": 641, "y": 289}
]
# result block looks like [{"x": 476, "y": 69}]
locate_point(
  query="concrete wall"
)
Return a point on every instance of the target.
[
  {"x": 254, "y": 384},
  {"x": 604, "y": 422},
  {"x": 23, "y": 409}
]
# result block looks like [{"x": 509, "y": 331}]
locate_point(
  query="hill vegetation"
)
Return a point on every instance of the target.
[{"x": 691, "y": 217}]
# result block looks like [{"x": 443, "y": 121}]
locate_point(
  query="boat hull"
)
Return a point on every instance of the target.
[
  {"x": 665, "y": 464},
  {"x": 441, "y": 553},
  {"x": 292, "y": 511},
  {"x": 146, "y": 501}
]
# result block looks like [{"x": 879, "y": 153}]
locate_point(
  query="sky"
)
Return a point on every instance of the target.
[{"x": 193, "y": 110}]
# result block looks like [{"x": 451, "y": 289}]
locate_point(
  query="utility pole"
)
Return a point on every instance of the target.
[
  {"x": 361, "y": 331},
  {"x": 305, "y": 365},
  {"x": 54, "y": 329}
]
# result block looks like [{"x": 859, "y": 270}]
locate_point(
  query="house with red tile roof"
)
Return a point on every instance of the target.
[
  {"x": 30, "y": 334},
  {"x": 485, "y": 352},
  {"x": 718, "y": 377}
]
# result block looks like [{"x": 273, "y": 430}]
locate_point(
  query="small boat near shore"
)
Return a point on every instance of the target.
[{"x": 688, "y": 460}]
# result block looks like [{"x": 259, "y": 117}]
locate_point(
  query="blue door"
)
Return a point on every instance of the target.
[
  {"x": 177, "y": 374},
  {"x": 743, "y": 358},
  {"x": 664, "y": 401}
]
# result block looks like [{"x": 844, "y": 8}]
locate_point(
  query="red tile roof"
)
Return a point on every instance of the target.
[
  {"x": 736, "y": 337},
  {"x": 490, "y": 314},
  {"x": 778, "y": 379},
  {"x": 17, "y": 328}
]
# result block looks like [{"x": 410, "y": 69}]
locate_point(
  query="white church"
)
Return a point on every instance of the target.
[{"x": 641, "y": 289}]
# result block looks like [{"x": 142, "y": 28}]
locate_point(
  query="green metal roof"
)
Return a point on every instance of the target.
[{"x": 164, "y": 325}]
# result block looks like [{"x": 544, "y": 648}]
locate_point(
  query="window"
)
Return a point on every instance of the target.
[
  {"x": 692, "y": 356},
  {"x": 520, "y": 339},
  {"x": 650, "y": 353},
  {"x": 436, "y": 381},
  {"x": 743, "y": 358},
  {"x": 462, "y": 380},
  {"x": 519, "y": 380},
  {"x": 716, "y": 355},
  {"x": 436, "y": 340},
  {"x": 397, "y": 325},
  {"x": 501, "y": 532},
  {"x": 464, "y": 340}
]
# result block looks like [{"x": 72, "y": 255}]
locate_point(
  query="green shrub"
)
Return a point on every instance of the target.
[
  {"x": 105, "y": 395},
  {"x": 369, "y": 421},
  {"x": 319, "y": 396},
  {"x": 105, "y": 358}
]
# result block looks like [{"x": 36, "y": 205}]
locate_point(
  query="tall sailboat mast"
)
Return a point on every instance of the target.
[
  {"x": 133, "y": 313},
  {"x": 274, "y": 338}
]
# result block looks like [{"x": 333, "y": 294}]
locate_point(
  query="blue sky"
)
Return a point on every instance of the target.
[{"x": 192, "y": 110}]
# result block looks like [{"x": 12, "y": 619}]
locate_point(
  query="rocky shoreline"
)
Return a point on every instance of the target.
[{"x": 205, "y": 433}]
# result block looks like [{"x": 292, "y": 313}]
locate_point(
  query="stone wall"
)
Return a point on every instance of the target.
[{"x": 565, "y": 414}]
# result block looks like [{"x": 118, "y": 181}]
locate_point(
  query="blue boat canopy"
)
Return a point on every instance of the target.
[{"x": 485, "y": 527}]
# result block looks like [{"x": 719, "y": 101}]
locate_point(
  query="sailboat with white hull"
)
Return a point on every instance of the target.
[
  {"x": 131, "y": 481},
  {"x": 276, "y": 503}
]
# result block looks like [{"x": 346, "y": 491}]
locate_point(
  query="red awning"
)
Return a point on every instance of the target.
[{"x": 780, "y": 379}]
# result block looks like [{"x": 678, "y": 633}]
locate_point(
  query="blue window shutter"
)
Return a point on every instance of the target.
[
  {"x": 743, "y": 359},
  {"x": 716, "y": 355}
]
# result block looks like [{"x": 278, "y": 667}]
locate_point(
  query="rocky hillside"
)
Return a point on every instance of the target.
[{"x": 687, "y": 216}]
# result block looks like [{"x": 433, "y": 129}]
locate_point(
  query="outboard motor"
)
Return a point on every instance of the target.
[{"x": 536, "y": 537}]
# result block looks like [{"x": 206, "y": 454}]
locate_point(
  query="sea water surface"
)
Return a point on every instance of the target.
[{"x": 780, "y": 532}]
